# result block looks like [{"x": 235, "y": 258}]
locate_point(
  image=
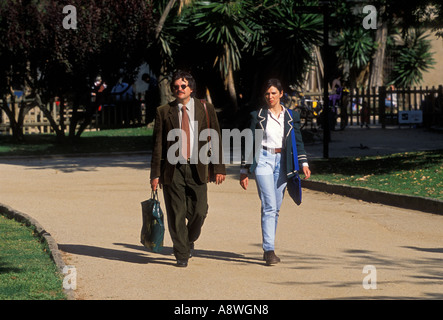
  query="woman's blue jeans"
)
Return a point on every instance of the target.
[{"x": 270, "y": 176}]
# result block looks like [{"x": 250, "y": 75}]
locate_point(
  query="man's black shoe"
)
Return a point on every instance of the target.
[
  {"x": 191, "y": 253},
  {"x": 182, "y": 263}
]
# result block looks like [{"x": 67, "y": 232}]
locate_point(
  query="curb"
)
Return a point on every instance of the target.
[
  {"x": 370, "y": 195},
  {"x": 43, "y": 235}
]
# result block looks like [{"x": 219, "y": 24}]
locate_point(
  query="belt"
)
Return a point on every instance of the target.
[
  {"x": 272, "y": 150},
  {"x": 180, "y": 162}
]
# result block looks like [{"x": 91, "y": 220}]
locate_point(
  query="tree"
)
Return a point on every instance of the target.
[
  {"x": 290, "y": 36},
  {"x": 381, "y": 38},
  {"x": 224, "y": 25},
  {"x": 355, "y": 48},
  {"x": 161, "y": 50},
  {"x": 412, "y": 59},
  {"x": 166, "y": 11},
  {"x": 391, "y": 16},
  {"x": 239, "y": 36},
  {"x": 53, "y": 61}
]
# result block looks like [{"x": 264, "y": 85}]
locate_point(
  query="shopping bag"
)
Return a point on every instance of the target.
[
  {"x": 153, "y": 228},
  {"x": 294, "y": 188}
]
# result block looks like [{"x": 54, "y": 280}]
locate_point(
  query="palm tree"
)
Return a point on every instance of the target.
[
  {"x": 164, "y": 43},
  {"x": 226, "y": 25},
  {"x": 413, "y": 58},
  {"x": 355, "y": 48},
  {"x": 257, "y": 36},
  {"x": 290, "y": 37},
  {"x": 167, "y": 10}
]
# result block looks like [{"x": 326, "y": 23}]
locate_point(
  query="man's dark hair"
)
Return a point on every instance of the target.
[{"x": 184, "y": 75}]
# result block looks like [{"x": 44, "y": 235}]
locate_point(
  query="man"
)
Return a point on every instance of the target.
[
  {"x": 152, "y": 97},
  {"x": 180, "y": 170}
]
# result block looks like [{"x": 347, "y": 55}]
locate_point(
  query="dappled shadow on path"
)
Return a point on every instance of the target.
[
  {"x": 82, "y": 164},
  {"x": 415, "y": 271},
  {"x": 200, "y": 253},
  {"x": 421, "y": 272},
  {"x": 112, "y": 254},
  {"x": 164, "y": 257}
]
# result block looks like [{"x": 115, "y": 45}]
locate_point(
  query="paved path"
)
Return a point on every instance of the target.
[{"x": 91, "y": 207}]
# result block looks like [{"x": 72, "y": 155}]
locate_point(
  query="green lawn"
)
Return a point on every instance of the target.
[
  {"x": 412, "y": 173},
  {"x": 26, "y": 270},
  {"x": 119, "y": 140}
]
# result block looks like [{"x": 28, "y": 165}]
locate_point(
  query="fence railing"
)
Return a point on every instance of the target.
[
  {"x": 107, "y": 116},
  {"x": 385, "y": 106},
  {"x": 376, "y": 106}
]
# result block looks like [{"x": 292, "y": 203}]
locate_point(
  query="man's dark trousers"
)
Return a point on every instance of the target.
[{"x": 185, "y": 199}]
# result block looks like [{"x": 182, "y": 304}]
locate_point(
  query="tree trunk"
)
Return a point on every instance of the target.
[
  {"x": 377, "y": 76},
  {"x": 73, "y": 121},
  {"x": 62, "y": 114},
  {"x": 17, "y": 129},
  {"x": 163, "y": 85},
  {"x": 231, "y": 89},
  {"x": 229, "y": 80},
  {"x": 163, "y": 82},
  {"x": 60, "y": 134},
  {"x": 162, "y": 20}
]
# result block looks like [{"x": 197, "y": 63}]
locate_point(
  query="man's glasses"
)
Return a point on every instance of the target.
[{"x": 183, "y": 86}]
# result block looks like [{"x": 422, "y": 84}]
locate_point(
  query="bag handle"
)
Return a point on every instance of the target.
[
  {"x": 207, "y": 118},
  {"x": 294, "y": 144},
  {"x": 154, "y": 195}
]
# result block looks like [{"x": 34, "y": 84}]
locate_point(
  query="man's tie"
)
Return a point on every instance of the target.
[{"x": 186, "y": 143}]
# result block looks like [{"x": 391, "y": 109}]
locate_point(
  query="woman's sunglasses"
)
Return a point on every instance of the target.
[{"x": 183, "y": 86}]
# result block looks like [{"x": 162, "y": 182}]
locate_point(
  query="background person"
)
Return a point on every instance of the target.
[{"x": 391, "y": 97}]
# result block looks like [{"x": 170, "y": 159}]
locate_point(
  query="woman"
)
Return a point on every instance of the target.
[{"x": 274, "y": 161}]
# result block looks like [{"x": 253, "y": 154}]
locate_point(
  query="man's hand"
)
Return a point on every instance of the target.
[{"x": 155, "y": 184}]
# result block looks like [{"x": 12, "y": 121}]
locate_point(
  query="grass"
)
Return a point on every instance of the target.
[
  {"x": 26, "y": 269},
  {"x": 119, "y": 140},
  {"x": 411, "y": 173}
]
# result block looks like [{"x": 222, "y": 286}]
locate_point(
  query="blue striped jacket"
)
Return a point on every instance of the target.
[{"x": 258, "y": 121}]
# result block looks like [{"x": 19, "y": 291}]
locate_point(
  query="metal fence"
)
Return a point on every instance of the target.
[
  {"x": 396, "y": 106},
  {"x": 362, "y": 106},
  {"x": 374, "y": 106},
  {"x": 120, "y": 114}
]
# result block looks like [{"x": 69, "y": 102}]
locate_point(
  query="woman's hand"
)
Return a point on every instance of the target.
[
  {"x": 219, "y": 178},
  {"x": 306, "y": 172},
  {"x": 244, "y": 180}
]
